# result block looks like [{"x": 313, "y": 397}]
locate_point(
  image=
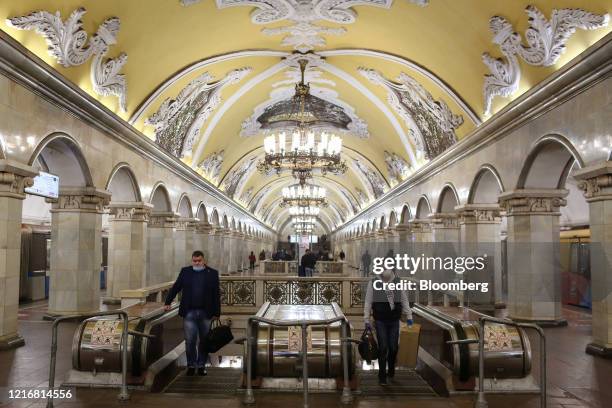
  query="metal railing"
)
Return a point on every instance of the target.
[
  {"x": 347, "y": 397},
  {"x": 123, "y": 393},
  {"x": 481, "y": 401}
]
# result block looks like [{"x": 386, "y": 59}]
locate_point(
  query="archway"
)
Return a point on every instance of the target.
[{"x": 161, "y": 228}]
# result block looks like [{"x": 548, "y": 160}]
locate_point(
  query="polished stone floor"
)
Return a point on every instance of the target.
[{"x": 575, "y": 379}]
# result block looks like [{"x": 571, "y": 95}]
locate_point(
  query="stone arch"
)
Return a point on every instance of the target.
[
  {"x": 392, "y": 219},
  {"x": 214, "y": 218},
  {"x": 405, "y": 214},
  {"x": 382, "y": 224},
  {"x": 448, "y": 199},
  {"x": 160, "y": 198},
  {"x": 122, "y": 184},
  {"x": 486, "y": 186},
  {"x": 184, "y": 206},
  {"x": 201, "y": 213},
  {"x": 548, "y": 163},
  {"x": 61, "y": 155},
  {"x": 423, "y": 208},
  {"x": 225, "y": 222}
]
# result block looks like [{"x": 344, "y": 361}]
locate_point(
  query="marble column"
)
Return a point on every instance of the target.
[
  {"x": 420, "y": 231},
  {"x": 222, "y": 245},
  {"x": 160, "y": 258},
  {"x": 596, "y": 183},
  {"x": 479, "y": 226},
  {"x": 445, "y": 228},
  {"x": 127, "y": 248},
  {"x": 76, "y": 250},
  {"x": 14, "y": 177},
  {"x": 202, "y": 239},
  {"x": 534, "y": 276},
  {"x": 184, "y": 231}
]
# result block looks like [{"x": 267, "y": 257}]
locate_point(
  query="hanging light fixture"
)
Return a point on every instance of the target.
[
  {"x": 314, "y": 211},
  {"x": 306, "y": 151},
  {"x": 304, "y": 196}
]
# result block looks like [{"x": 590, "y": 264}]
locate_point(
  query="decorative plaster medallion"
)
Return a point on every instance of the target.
[
  {"x": 374, "y": 181},
  {"x": 435, "y": 122},
  {"x": 211, "y": 166},
  {"x": 178, "y": 121},
  {"x": 68, "y": 44},
  {"x": 303, "y": 34},
  {"x": 545, "y": 44},
  {"x": 397, "y": 167}
]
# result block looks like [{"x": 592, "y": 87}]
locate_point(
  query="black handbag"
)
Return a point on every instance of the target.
[
  {"x": 368, "y": 348},
  {"x": 218, "y": 336}
]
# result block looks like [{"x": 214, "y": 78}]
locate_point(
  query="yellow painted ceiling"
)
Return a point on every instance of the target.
[{"x": 162, "y": 38}]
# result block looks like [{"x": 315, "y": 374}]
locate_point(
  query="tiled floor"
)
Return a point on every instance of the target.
[{"x": 575, "y": 379}]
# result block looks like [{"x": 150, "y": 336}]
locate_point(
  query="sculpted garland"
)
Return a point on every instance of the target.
[
  {"x": 68, "y": 44},
  {"x": 545, "y": 44}
]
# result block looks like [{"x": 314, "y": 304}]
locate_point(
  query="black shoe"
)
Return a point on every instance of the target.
[
  {"x": 382, "y": 382},
  {"x": 190, "y": 371},
  {"x": 202, "y": 371}
]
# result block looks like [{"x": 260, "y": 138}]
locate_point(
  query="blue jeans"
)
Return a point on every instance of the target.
[
  {"x": 308, "y": 271},
  {"x": 387, "y": 335},
  {"x": 196, "y": 324}
]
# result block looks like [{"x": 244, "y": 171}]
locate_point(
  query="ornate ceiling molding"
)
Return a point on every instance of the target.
[
  {"x": 178, "y": 121},
  {"x": 358, "y": 127},
  {"x": 432, "y": 121},
  {"x": 211, "y": 166},
  {"x": 234, "y": 181},
  {"x": 68, "y": 44},
  {"x": 397, "y": 168},
  {"x": 246, "y": 196},
  {"x": 545, "y": 44},
  {"x": 375, "y": 183},
  {"x": 303, "y": 34}
]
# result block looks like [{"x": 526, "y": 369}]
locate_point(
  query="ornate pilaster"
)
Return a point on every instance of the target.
[
  {"x": 596, "y": 184},
  {"x": 160, "y": 251},
  {"x": 127, "y": 248},
  {"x": 76, "y": 253},
  {"x": 14, "y": 178},
  {"x": 479, "y": 226},
  {"x": 534, "y": 278}
]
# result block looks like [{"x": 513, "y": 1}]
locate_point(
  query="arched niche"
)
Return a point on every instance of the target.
[
  {"x": 486, "y": 186},
  {"x": 447, "y": 200},
  {"x": 423, "y": 208},
  {"x": 184, "y": 207},
  {"x": 201, "y": 213},
  {"x": 122, "y": 184},
  {"x": 160, "y": 199}
]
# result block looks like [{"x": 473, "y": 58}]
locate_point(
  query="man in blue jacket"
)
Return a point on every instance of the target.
[{"x": 200, "y": 304}]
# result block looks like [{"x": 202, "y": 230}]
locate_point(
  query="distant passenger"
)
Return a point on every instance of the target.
[
  {"x": 200, "y": 304},
  {"x": 366, "y": 260},
  {"x": 252, "y": 260},
  {"x": 309, "y": 261},
  {"x": 342, "y": 255},
  {"x": 387, "y": 306},
  {"x": 262, "y": 255}
]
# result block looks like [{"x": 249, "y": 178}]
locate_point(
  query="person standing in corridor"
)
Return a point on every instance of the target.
[{"x": 200, "y": 304}]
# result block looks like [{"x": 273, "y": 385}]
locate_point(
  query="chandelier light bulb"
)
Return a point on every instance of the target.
[{"x": 281, "y": 142}]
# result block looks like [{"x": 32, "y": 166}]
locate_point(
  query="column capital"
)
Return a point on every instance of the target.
[
  {"x": 479, "y": 213},
  {"x": 80, "y": 199},
  {"x": 444, "y": 220},
  {"x": 203, "y": 228},
  {"x": 545, "y": 201},
  {"x": 14, "y": 178},
  {"x": 185, "y": 223},
  {"x": 166, "y": 219},
  {"x": 420, "y": 225},
  {"x": 130, "y": 211},
  {"x": 596, "y": 181}
]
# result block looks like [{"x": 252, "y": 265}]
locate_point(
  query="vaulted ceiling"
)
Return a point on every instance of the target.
[{"x": 414, "y": 75}]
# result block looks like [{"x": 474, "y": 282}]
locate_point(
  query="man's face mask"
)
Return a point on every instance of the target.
[{"x": 198, "y": 268}]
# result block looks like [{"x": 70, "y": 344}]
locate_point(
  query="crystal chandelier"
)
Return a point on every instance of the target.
[
  {"x": 313, "y": 211},
  {"x": 306, "y": 151},
  {"x": 304, "y": 196}
]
